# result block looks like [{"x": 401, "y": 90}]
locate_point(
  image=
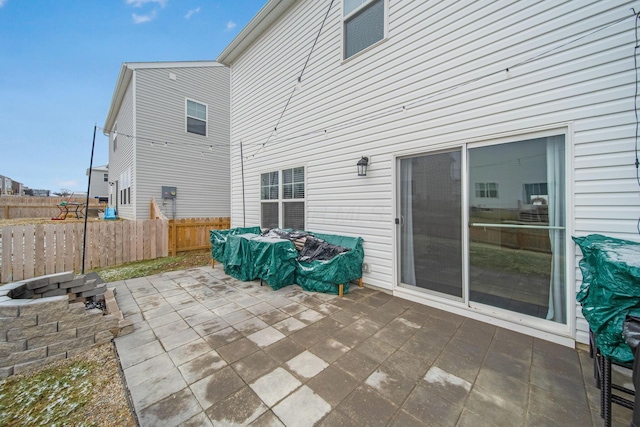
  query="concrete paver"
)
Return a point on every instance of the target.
[{"x": 210, "y": 350}]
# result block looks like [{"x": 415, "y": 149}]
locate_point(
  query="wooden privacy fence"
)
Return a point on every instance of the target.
[
  {"x": 191, "y": 234},
  {"x": 523, "y": 238},
  {"x": 13, "y": 207},
  {"x": 33, "y": 250}
]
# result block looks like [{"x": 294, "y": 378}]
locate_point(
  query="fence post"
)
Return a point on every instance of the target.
[{"x": 174, "y": 237}]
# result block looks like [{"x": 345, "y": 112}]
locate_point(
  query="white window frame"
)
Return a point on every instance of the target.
[
  {"x": 281, "y": 201},
  {"x": 105, "y": 177},
  {"x": 486, "y": 191},
  {"x": 187, "y": 116},
  {"x": 365, "y": 4},
  {"x": 564, "y": 334}
]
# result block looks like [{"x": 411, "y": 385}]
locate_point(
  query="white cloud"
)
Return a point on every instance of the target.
[
  {"x": 231, "y": 25},
  {"x": 141, "y": 19},
  {"x": 140, "y": 3},
  {"x": 192, "y": 12},
  {"x": 2, "y": 2}
]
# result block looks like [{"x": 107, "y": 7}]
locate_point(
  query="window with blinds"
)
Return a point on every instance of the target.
[
  {"x": 364, "y": 22},
  {"x": 282, "y": 196}
]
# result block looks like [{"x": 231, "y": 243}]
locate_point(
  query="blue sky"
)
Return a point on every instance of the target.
[{"x": 59, "y": 62}]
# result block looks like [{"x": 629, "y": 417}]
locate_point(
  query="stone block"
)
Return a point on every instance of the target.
[
  {"x": 53, "y": 338},
  {"x": 45, "y": 305},
  {"x": 37, "y": 282},
  {"x": 64, "y": 346},
  {"x": 7, "y": 323},
  {"x": 26, "y": 356},
  {"x": 118, "y": 314},
  {"x": 108, "y": 322},
  {"x": 48, "y": 287},
  {"x": 6, "y": 372},
  {"x": 78, "y": 281},
  {"x": 8, "y": 288},
  {"x": 77, "y": 320},
  {"x": 77, "y": 307},
  {"x": 60, "y": 277},
  {"x": 4, "y": 298},
  {"x": 112, "y": 305},
  {"x": 125, "y": 326},
  {"x": 55, "y": 293},
  {"x": 6, "y": 348},
  {"x": 90, "y": 285},
  {"x": 32, "y": 331},
  {"x": 110, "y": 293},
  {"x": 28, "y": 366},
  {"x": 99, "y": 290},
  {"x": 11, "y": 308},
  {"x": 23, "y": 294},
  {"x": 104, "y": 337}
]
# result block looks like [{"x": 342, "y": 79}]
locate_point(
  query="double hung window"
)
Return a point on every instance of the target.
[
  {"x": 486, "y": 190},
  {"x": 196, "y": 118},
  {"x": 282, "y": 195},
  {"x": 364, "y": 24}
]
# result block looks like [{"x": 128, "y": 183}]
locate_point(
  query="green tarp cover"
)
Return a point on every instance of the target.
[
  {"x": 250, "y": 256},
  {"x": 610, "y": 290},
  {"x": 218, "y": 239},
  {"x": 324, "y": 276}
]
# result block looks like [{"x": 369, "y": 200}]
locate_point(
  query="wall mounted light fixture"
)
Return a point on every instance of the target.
[{"x": 362, "y": 166}]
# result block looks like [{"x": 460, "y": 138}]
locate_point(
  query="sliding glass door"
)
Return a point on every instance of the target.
[
  {"x": 516, "y": 235},
  {"x": 517, "y": 227},
  {"x": 431, "y": 223}
]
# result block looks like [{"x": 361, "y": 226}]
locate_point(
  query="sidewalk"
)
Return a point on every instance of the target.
[{"x": 210, "y": 350}]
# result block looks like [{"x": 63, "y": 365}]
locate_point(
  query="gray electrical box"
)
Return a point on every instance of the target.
[{"x": 168, "y": 192}]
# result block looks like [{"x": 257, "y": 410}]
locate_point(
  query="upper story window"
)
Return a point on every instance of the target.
[
  {"x": 363, "y": 24},
  {"x": 105, "y": 177},
  {"x": 196, "y": 117}
]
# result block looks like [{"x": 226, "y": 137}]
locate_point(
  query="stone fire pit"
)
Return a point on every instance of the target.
[{"x": 45, "y": 319}]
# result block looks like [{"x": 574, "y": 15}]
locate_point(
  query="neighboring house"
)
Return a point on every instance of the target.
[
  {"x": 10, "y": 187},
  {"x": 17, "y": 188},
  {"x": 494, "y": 131},
  {"x": 5, "y": 185},
  {"x": 168, "y": 126},
  {"x": 99, "y": 185}
]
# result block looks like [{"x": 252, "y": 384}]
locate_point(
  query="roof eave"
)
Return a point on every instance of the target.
[
  {"x": 118, "y": 94},
  {"x": 263, "y": 20}
]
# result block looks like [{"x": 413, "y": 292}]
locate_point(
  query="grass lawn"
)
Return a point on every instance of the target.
[{"x": 155, "y": 266}]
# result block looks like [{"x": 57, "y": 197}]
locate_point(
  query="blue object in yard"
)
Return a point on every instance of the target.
[{"x": 110, "y": 213}]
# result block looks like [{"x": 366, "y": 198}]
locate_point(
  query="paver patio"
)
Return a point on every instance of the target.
[{"x": 210, "y": 350}]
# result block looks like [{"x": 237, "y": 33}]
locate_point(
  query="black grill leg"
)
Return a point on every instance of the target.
[{"x": 606, "y": 391}]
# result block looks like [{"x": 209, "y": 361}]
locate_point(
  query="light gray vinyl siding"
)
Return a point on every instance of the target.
[
  {"x": 197, "y": 165},
  {"x": 99, "y": 188},
  {"x": 122, "y": 158},
  {"x": 584, "y": 89}
]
